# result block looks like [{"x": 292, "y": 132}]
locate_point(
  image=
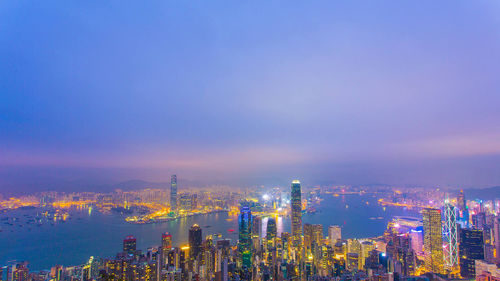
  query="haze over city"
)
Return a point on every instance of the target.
[
  {"x": 385, "y": 92},
  {"x": 249, "y": 140}
]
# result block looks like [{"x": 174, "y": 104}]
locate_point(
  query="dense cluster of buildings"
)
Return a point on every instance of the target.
[{"x": 457, "y": 241}]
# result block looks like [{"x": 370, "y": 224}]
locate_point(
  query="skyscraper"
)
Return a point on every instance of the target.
[
  {"x": 195, "y": 240},
  {"x": 185, "y": 202},
  {"x": 129, "y": 245},
  {"x": 271, "y": 232},
  {"x": 313, "y": 235},
  {"x": 296, "y": 213},
  {"x": 462, "y": 207},
  {"x": 496, "y": 238},
  {"x": 433, "y": 240},
  {"x": 471, "y": 248},
  {"x": 450, "y": 233},
  {"x": 334, "y": 234},
  {"x": 173, "y": 193},
  {"x": 256, "y": 226},
  {"x": 166, "y": 241},
  {"x": 166, "y": 246},
  {"x": 245, "y": 235}
]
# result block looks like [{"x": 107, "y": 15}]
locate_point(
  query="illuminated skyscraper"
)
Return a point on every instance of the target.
[
  {"x": 334, "y": 234},
  {"x": 195, "y": 240},
  {"x": 257, "y": 226},
  {"x": 20, "y": 273},
  {"x": 496, "y": 239},
  {"x": 296, "y": 213},
  {"x": 166, "y": 241},
  {"x": 450, "y": 232},
  {"x": 462, "y": 207},
  {"x": 313, "y": 235},
  {"x": 471, "y": 248},
  {"x": 433, "y": 240},
  {"x": 185, "y": 202},
  {"x": 129, "y": 245},
  {"x": 166, "y": 246},
  {"x": 173, "y": 193},
  {"x": 245, "y": 235},
  {"x": 271, "y": 231}
]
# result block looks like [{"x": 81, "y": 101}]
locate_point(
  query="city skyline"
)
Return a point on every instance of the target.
[
  {"x": 419, "y": 246},
  {"x": 249, "y": 140},
  {"x": 250, "y": 93}
]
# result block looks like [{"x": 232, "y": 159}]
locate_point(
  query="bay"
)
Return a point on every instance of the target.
[{"x": 101, "y": 235}]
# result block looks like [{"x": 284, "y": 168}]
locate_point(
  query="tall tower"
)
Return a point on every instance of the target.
[
  {"x": 166, "y": 246},
  {"x": 166, "y": 241},
  {"x": 433, "y": 240},
  {"x": 450, "y": 232},
  {"x": 334, "y": 234},
  {"x": 245, "y": 235},
  {"x": 257, "y": 226},
  {"x": 296, "y": 214},
  {"x": 129, "y": 245},
  {"x": 173, "y": 193},
  {"x": 195, "y": 240},
  {"x": 271, "y": 233},
  {"x": 471, "y": 249},
  {"x": 462, "y": 207}
]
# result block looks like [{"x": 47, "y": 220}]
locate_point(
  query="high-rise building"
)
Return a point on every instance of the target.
[
  {"x": 245, "y": 235},
  {"x": 129, "y": 245},
  {"x": 313, "y": 234},
  {"x": 400, "y": 254},
  {"x": 166, "y": 241},
  {"x": 334, "y": 234},
  {"x": 417, "y": 239},
  {"x": 450, "y": 233},
  {"x": 366, "y": 248},
  {"x": 56, "y": 272},
  {"x": 20, "y": 273},
  {"x": 173, "y": 193},
  {"x": 471, "y": 248},
  {"x": 296, "y": 213},
  {"x": 496, "y": 239},
  {"x": 185, "y": 201},
  {"x": 257, "y": 227},
  {"x": 271, "y": 232},
  {"x": 194, "y": 201},
  {"x": 479, "y": 220},
  {"x": 433, "y": 240},
  {"x": 195, "y": 241},
  {"x": 462, "y": 207}
]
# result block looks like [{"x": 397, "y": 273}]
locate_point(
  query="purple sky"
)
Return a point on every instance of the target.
[{"x": 255, "y": 92}]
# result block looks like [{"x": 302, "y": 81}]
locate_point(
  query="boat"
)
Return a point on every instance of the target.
[{"x": 230, "y": 230}]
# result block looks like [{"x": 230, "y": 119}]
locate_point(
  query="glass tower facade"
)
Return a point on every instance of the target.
[
  {"x": 195, "y": 240},
  {"x": 471, "y": 248},
  {"x": 173, "y": 193},
  {"x": 245, "y": 235},
  {"x": 433, "y": 240},
  {"x": 296, "y": 214},
  {"x": 129, "y": 245},
  {"x": 450, "y": 233}
]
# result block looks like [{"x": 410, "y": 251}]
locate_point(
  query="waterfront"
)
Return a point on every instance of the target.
[{"x": 95, "y": 234}]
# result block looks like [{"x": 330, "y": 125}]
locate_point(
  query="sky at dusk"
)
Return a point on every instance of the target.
[{"x": 250, "y": 92}]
